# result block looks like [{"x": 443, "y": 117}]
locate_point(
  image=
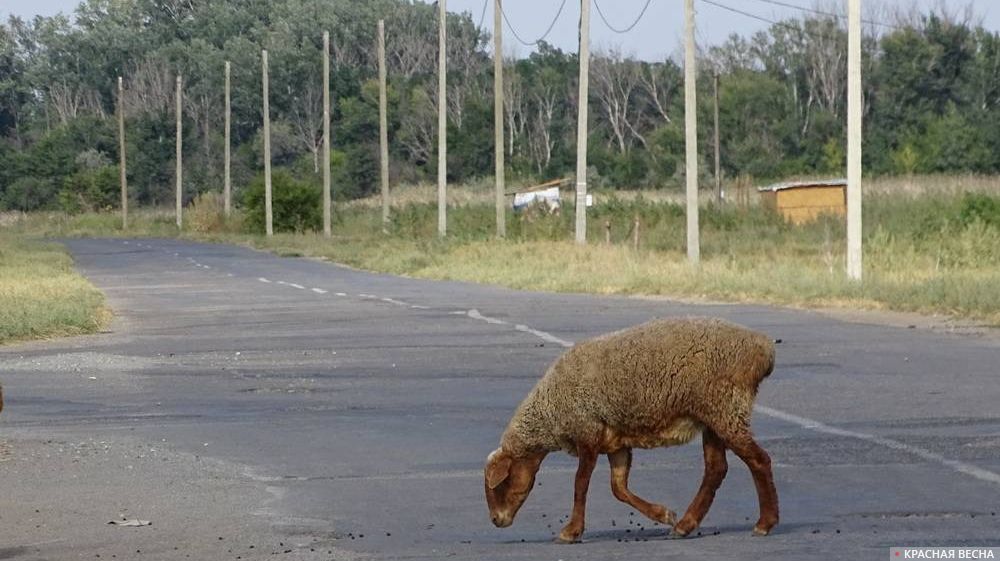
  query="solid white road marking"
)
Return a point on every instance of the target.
[
  {"x": 544, "y": 336},
  {"x": 804, "y": 422},
  {"x": 960, "y": 467},
  {"x": 474, "y": 314}
]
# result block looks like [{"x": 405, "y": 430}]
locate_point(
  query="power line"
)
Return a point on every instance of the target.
[
  {"x": 741, "y": 12},
  {"x": 824, "y": 13},
  {"x": 482, "y": 16},
  {"x": 766, "y": 20},
  {"x": 627, "y": 28},
  {"x": 544, "y": 35}
]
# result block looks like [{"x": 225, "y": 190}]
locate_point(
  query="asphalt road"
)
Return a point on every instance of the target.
[{"x": 245, "y": 399}]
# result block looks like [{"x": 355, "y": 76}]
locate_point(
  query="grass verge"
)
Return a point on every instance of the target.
[{"x": 41, "y": 295}]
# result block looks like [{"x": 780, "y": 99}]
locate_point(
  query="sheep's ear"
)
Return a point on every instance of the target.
[{"x": 497, "y": 470}]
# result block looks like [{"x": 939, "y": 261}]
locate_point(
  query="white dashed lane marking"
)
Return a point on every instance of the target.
[{"x": 319, "y": 291}]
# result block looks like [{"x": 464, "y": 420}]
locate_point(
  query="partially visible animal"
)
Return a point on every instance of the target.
[{"x": 658, "y": 384}]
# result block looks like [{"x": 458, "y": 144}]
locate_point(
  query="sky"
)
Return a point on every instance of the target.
[{"x": 657, "y": 35}]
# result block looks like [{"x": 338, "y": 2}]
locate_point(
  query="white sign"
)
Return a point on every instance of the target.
[{"x": 547, "y": 197}]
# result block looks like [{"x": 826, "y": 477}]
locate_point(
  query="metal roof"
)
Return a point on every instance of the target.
[{"x": 804, "y": 184}]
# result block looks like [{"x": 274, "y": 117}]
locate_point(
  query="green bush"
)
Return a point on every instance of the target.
[
  {"x": 28, "y": 194},
  {"x": 976, "y": 206},
  {"x": 296, "y": 205},
  {"x": 91, "y": 190}
]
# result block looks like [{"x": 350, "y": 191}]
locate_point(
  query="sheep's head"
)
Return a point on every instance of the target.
[{"x": 509, "y": 479}]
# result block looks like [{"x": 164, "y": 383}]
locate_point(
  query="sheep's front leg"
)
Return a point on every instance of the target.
[
  {"x": 588, "y": 459},
  {"x": 621, "y": 463}
]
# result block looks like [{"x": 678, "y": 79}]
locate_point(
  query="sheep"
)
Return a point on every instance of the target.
[{"x": 657, "y": 384}]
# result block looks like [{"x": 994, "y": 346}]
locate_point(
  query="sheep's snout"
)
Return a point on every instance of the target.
[{"x": 502, "y": 520}]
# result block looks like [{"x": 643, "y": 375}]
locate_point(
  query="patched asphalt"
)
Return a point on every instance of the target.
[{"x": 343, "y": 414}]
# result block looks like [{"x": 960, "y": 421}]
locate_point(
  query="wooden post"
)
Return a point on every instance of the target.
[
  {"x": 178, "y": 156},
  {"x": 854, "y": 108},
  {"x": 498, "y": 118},
  {"x": 442, "y": 119},
  {"x": 122, "y": 178},
  {"x": 718, "y": 166},
  {"x": 268, "y": 210},
  {"x": 327, "y": 205},
  {"x": 383, "y": 125},
  {"x": 227, "y": 182},
  {"x": 607, "y": 232},
  {"x": 635, "y": 233},
  {"x": 582, "y": 124},
  {"x": 691, "y": 134}
]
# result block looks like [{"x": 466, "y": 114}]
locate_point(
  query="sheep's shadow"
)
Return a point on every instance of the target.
[{"x": 664, "y": 534}]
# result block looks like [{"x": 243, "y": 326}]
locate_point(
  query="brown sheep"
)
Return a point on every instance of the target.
[{"x": 657, "y": 384}]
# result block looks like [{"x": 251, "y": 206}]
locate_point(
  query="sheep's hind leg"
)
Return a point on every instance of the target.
[
  {"x": 574, "y": 529},
  {"x": 715, "y": 471},
  {"x": 744, "y": 446},
  {"x": 621, "y": 463}
]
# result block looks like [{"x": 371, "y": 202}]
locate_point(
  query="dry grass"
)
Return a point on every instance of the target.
[{"x": 41, "y": 295}]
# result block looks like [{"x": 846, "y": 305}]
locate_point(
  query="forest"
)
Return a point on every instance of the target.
[{"x": 931, "y": 86}]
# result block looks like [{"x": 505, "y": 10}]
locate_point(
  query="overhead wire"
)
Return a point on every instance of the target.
[
  {"x": 627, "y": 28},
  {"x": 482, "y": 16},
  {"x": 544, "y": 35},
  {"x": 764, "y": 19},
  {"x": 824, "y": 13}
]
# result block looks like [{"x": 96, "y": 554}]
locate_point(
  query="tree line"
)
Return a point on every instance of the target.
[{"x": 932, "y": 90}]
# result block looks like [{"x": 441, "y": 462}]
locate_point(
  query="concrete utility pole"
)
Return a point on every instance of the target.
[
  {"x": 442, "y": 119},
  {"x": 268, "y": 214},
  {"x": 854, "y": 107},
  {"x": 383, "y": 125},
  {"x": 691, "y": 134},
  {"x": 498, "y": 117},
  {"x": 718, "y": 164},
  {"x": 179, "y": 157},
  {"x": 121, "y": 152},
  {"x": 227, "y": 182},
  {"x": 327, "y": 210},
  {"x": 582, "y": 124}
]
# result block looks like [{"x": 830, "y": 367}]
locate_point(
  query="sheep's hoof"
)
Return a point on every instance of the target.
[
  {"x": 678, "y": 533},
  {"x": 570, "y": 535},
  {"x": 665, "y": 516}
]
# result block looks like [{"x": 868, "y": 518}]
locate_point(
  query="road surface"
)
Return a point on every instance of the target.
[{"x": 312, "y": 411}]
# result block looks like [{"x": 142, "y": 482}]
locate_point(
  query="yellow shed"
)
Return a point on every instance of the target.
[{"x": 803, "y": 201}]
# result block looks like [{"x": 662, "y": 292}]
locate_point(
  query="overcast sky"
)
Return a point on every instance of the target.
[{"x": 656, "y": 35}]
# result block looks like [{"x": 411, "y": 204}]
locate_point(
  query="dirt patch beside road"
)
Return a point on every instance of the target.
[{"x": 59, "y": 494}]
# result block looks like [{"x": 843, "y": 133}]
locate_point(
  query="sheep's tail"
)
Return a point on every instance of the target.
[{"x": 764, "y": 364}]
